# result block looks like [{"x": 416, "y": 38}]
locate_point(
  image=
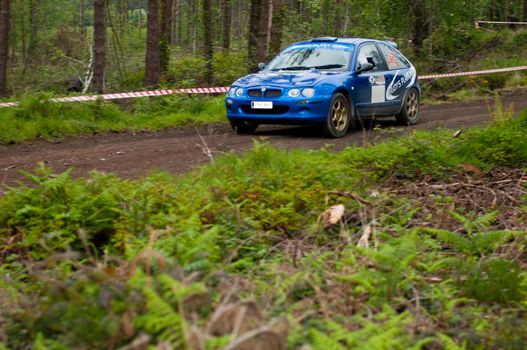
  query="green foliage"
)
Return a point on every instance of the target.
[
  {"x": 164, "y": 316},
  {"x": 385, "y": 332},
  {"x": 493, "y": 281},
  {"x": 38, "y": 117},
  {"x": 497, "y": 144},
  {"x": 187, "y": 71},
  {"x": 100, "y": 262},
  {"x": 228, "y": 67}
]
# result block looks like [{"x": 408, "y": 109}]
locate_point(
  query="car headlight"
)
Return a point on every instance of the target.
[
  {"x": 232, "y": 91},
  {"x": 294, "y": 93},
  {"x": 239, "y": 92},
  {"x": 308, "y": 93}
]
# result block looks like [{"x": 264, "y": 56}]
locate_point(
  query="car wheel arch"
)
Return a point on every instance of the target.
[
  {"x": 344, "y": 91},
  {"x": 413, "y": 87}
]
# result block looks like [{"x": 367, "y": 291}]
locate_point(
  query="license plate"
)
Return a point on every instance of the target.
[{"x": 262, "y": 104}]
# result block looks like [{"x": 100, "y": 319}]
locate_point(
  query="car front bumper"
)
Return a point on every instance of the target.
[{"x": 295, "y": 111}]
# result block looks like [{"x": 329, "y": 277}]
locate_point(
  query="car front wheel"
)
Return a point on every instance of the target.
[
  {"x": 339, "y": 117},
  {"x": 409, "y": 115}
]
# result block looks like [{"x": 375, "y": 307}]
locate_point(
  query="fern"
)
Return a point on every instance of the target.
[
  {"x": 457, "y": 241},
  {"x": 480, "y": 223},
  {"x": 501, "y": 114},
  {"x": 449, "y": 344},
  {"x": 162, "y": 320},
  {"x": 165, "y": 313},
  {"x": 176, "y": 291},
  {"x": 321, "y": 341}
]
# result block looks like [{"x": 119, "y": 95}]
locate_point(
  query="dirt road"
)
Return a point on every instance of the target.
[{"x": 179, "y": 150}]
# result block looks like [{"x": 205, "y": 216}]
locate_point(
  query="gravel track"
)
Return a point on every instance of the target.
[{"x": 178, "y": 150}]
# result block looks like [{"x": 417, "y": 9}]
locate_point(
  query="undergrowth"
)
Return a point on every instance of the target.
[
  {"x": 206, "y": 260},
  {"x": 37, "y": 117}
]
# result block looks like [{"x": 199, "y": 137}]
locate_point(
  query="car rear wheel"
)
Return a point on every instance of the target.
[
  {"x": 339, "y": 117},
  {"x": 243, "y": 127},
  {"x": 409, "y": 114}
]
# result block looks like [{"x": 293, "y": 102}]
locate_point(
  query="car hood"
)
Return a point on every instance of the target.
[{"x": 285, "y": 79}]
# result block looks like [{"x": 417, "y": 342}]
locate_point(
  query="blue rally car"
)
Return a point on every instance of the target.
[{"x": 329, "y": 82}]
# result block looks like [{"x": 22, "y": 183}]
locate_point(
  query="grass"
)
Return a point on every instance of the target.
[
  {"x": 39, "y": 118},
  {"x": 244, "y": 246}
]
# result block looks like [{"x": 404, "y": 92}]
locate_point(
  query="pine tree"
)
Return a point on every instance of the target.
[
  {"x": 5, "y": 7},
  {"x": 153, "y": 61},
  {"x": 99, "y": 45}
]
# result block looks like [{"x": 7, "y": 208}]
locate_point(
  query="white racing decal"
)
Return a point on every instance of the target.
[
  {"x": 406, "y": 80},
  {"x": 378, "y": 88}
]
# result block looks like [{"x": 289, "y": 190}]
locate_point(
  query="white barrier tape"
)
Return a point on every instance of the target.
[
  {"x": 498, "y": 22},
  {"x": 137, "y": 94},
  {"x": 218, "y": 90},
  {"x": 477, "y": 72}
]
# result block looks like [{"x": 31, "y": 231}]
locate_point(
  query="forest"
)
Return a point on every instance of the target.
[
  {"x": 395, "y": 238},
  {"x": 117, "y": 45}
]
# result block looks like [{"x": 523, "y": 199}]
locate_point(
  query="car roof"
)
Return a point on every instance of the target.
[{"x": 352, "y": 41}]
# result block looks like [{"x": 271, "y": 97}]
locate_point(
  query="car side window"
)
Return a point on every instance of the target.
[
  {"x": 394, "y": 58},
  {"x": 369, "y": 53}
]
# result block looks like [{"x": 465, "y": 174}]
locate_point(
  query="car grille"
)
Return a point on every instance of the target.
[
  {"x": 276, "y": 110},
  {"x": 269, "y": 93},
  {"x": 255, "y": 93},
  {"x": 273, "y": 93}
]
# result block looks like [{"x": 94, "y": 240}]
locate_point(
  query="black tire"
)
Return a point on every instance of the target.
[
  {"x": 340, "y": 117},
  {"x": 243, "y": 127},
  {"x": 410, "y": 112}
]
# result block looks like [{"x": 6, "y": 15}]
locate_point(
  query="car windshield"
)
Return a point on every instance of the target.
[{"x": 312, "y": 57}]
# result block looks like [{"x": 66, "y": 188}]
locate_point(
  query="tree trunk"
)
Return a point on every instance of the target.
[
  {"x": 262, "y": 51},
  {"x": 419, "y": 25},
  {"x": 177, "y": 31},
  {"x": 82, "y": 18},
  {"x": 325, "y": 9},
  {"x": 279, "y": 9},
  {"x": 99, "y": 45},
  {"x": 140, "y": 14},
  {"x": 337, "y": 21},
  {"x": 153, "y": 61},
  {"x": 227, "y": 19},
  {"x": 33, "y": 27},
  {"x": 253, "y": 40},
  {"x": 195, "y": 26},
  {"x": 166, "y": 25},
  {"x": 122, "y": 12},
  {"x": 4, "y": 44},
  {"x": 208, "y": 39}
]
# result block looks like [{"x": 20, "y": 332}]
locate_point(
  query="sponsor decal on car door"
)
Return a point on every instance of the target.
[{"x": 400, "y": 82}]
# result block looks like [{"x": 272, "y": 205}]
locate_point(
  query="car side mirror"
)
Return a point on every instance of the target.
[
  {"x": 261, "y": 66},
  {"x": 364, "y": 67}
]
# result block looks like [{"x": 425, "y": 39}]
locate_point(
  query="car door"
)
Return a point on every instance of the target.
[
  {"x": 401, "y": 74},
  {"x": 369, "y": 88}
]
